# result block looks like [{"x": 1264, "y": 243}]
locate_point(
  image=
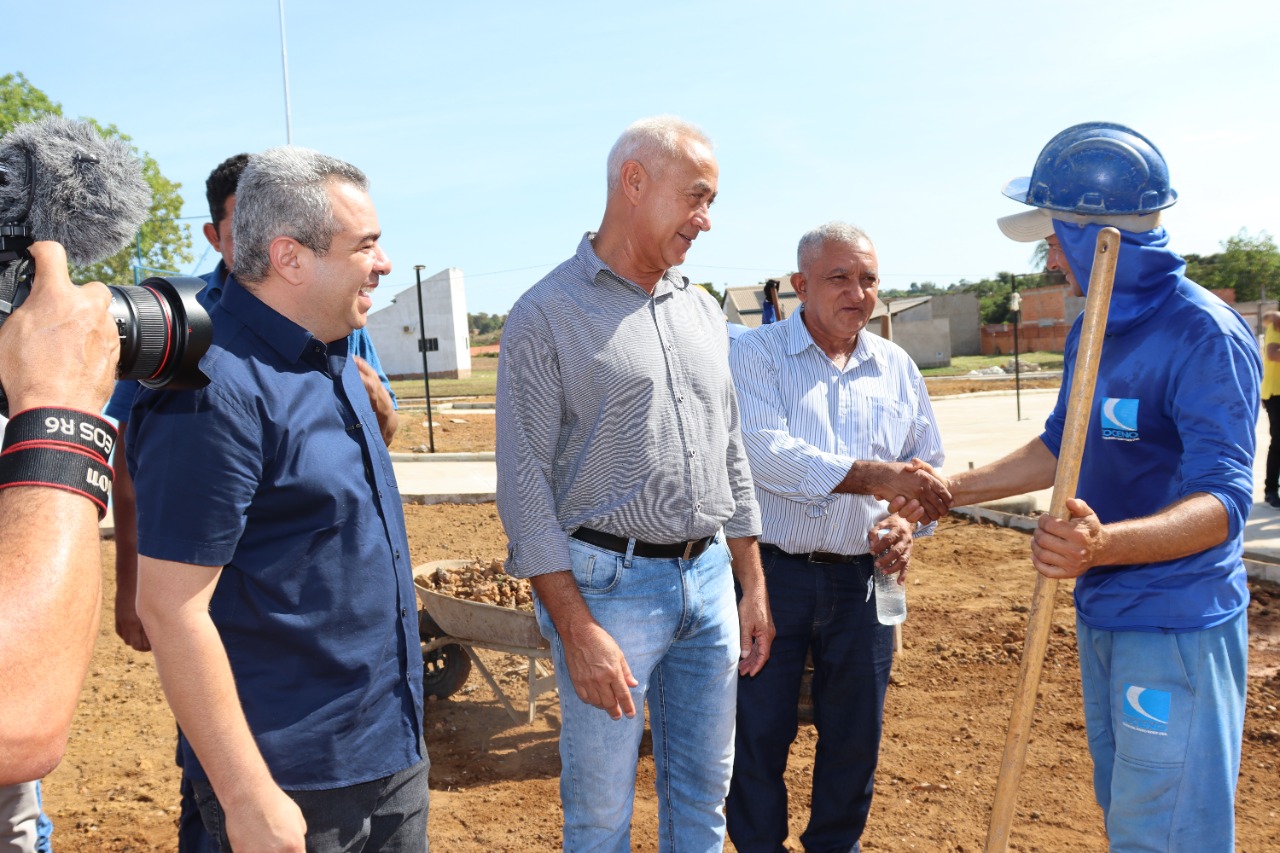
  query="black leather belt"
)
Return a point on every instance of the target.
[
  {"x": 816, "y": 556},
  {"x": 684, "y": 550}
]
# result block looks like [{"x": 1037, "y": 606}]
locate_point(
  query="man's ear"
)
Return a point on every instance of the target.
[
  {"x": 211, "y": 234},
  {"x": 288, "y": 259},
  {"x": 800, "y": 285},
  {"x": 633, "y": 179}
]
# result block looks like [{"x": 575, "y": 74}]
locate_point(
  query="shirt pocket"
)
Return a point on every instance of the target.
[{"x": 890, "y": 428}]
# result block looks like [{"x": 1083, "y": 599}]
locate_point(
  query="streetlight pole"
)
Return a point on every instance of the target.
[
  {"x": 284, "y": 64},
  {"x": 422, "y": 348},
  {"x": 1015, "y": 305}
]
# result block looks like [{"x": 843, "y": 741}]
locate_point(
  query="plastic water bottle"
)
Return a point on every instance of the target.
[{"x": 891, "y": 596}]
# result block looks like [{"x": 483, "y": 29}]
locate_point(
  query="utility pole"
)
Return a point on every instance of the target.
[
  {"x": 423, "y": 346},
  {"x": 284, "y": 62},
  {"x": 1015, "y": 305}
]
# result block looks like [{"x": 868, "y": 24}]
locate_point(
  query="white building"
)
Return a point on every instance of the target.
[{"x": 394, "y": 329}]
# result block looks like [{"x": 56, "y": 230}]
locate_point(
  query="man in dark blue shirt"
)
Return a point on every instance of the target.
[
  {"x": 220, "y": 192},
  {"x": 274, "y": 576}
]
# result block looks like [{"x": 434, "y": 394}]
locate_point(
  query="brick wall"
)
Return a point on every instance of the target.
[
  {"x": 1043, "y": 303},
  {"x": 997, "y": 338}
]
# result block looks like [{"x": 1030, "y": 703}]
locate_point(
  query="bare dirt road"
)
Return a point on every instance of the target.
[{"x": 494, "y": 783}]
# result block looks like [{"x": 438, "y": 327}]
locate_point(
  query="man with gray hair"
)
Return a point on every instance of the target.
[
  {"x": 626, "y": 496},
  {"x": 832, "y": 417},
  {"x": 275, "y": 587}
]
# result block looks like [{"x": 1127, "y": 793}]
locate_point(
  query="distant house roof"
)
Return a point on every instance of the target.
[
  {"x": 897, "y": 306},
  {"x": 749, "y": 301}
]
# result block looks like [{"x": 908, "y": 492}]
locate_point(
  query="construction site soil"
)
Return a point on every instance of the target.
[{"x": 494, "y": 781}]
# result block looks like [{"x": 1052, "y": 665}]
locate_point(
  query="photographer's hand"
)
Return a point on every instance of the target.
[{"x": 61, "y": 347}]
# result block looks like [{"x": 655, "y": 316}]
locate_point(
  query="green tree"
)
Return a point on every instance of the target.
[
  {"x": 924, "y": 288},
  {"x": 715, "y": 292},
  {"x": 486, "y": 324},
  {"x": 162, "y": 242},
  {"x": 993, "y": 297},
  {"x": 1203, "y": 269},
  {"x": 21, "y": 102},
  {"x": 1249, "y": 264}
]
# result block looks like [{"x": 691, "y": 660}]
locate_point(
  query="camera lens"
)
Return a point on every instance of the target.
[{"x": 163, "y": 332}]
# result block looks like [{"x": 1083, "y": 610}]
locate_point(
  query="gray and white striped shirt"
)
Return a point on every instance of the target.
[
  {"x": 616, "y": 411},
  {"x": 806, "y": 421}
]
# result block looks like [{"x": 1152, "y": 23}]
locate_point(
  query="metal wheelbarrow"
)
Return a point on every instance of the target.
[{"x": 452, "y": 628}]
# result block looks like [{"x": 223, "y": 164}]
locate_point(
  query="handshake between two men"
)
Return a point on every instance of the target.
[
  {"x": 915, "y": 490},
  {"x": 1060, "y": 548}
]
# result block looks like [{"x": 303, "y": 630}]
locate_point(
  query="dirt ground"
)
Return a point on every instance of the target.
[
  {"x": 494, "y": 782},
  {"x": 459, "y": 431}
]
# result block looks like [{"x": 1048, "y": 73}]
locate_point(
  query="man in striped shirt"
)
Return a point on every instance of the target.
[
  {"x": 625, "y": 491},
  {"x": 831, "y": 418}
]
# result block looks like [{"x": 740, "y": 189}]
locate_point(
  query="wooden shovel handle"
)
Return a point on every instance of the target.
[{"x": 1079, "y": 409}]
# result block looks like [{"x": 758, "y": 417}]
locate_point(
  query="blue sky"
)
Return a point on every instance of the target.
[{"x": 484, "y": 126}]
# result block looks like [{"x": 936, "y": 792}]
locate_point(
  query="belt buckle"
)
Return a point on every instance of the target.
[{"x": 688, "y": 548}]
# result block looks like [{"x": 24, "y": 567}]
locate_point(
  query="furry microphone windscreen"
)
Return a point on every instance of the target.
[{"x": 87, "y": 192}]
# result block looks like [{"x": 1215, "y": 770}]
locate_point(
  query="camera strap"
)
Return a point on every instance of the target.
[
  {"x": 12, "y": 274},
  {"x": 62, "y": 449},
  {"x": 69, "y": 429},
  {"x": 75, "y": 471}
]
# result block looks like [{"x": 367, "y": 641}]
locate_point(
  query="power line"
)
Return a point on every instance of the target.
[{"x": 517, "y": 269}]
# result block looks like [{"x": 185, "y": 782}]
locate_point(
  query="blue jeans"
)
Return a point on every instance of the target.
[
  {"x": 44, "y": 826},
  {"x": 1165, "y": 715},
  {"x": 829, "y": 610},
  {"x": 192, "y": 836},
  {"x": 388, "y": 814},
  {"x": 676, "y": 622}
]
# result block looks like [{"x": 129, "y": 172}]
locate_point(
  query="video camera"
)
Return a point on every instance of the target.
[{"x": 60, "y": 181}]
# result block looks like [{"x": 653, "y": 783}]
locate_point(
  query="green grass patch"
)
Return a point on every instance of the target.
[
  {"x": 962, "y": 364},
  {"x": 482, "y": 383}
]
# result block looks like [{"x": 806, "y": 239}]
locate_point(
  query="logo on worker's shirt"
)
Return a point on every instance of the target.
[
  {"x": 1120, "y": 419},
  {"x": 1146, "y": 710}
]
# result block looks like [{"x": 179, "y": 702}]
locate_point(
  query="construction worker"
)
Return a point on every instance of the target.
[{"x": 1155, "y": 537}]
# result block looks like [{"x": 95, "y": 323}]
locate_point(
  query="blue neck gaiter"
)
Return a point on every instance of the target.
[{"x": 1146, "y": 275}]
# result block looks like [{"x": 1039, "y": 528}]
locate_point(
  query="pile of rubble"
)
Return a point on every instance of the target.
[
  {"x": 1009, "y": 367},
  {"x": 485, "y": 584}
]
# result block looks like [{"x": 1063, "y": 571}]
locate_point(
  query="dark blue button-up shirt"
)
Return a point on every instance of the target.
[{"x": 277, "y": 472}]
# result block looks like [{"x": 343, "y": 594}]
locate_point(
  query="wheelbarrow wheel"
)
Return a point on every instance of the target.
[{"x": 445, "y": 670}]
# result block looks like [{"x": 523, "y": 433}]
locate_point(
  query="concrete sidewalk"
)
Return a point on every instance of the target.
[{"x": 446, "y": 478}]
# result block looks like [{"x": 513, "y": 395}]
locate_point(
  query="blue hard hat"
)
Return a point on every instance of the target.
[{"x": 1098, "y": 169}]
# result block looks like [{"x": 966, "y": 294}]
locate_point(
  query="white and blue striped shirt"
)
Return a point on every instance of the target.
[{"x": 806, "y": 421}]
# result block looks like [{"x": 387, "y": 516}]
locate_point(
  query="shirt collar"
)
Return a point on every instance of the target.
[
  {"x": 218, "y": 279},
  {"x": 591, "y": 263},
  {"x": 214, "y": 283},
  {"x": 282, "y": 334},
  {"x": 798, "y": 339}
]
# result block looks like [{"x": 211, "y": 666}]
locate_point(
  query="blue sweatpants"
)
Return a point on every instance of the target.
[{"x": 1165, "y": 716}]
